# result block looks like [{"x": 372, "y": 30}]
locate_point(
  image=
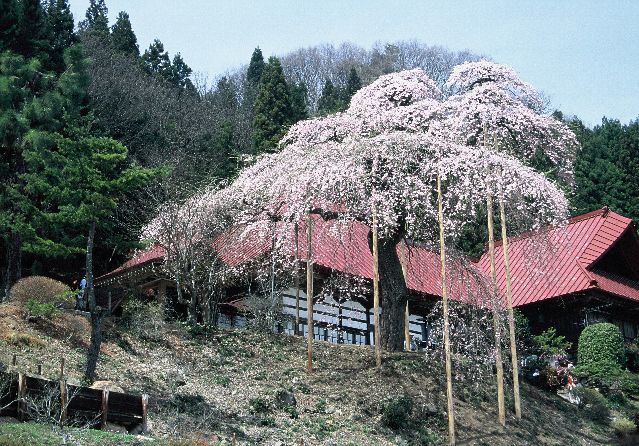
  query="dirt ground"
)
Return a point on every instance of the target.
[{"x": 227, "y": 385}]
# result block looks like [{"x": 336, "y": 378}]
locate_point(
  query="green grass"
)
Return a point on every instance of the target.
[{"x": 28, "y": 434}]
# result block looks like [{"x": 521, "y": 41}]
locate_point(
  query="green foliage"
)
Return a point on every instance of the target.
[
  {"x": 35, "y": 309},
  {"x": 523, "y": 334},
  {"x": 600, "y": 345},
  {"x": 156, "y": 60},
  {"x": 61, "y": 29},
  {"x": 331, "y": 100},
  {"x": 299, "y": 102},
  {"x": 593, "y": 404},
  {"x": 632, "y": 356},
  {"x": 273, "y": 113},
  {"x": 255, "y": 68},
  {"x": 396, "y": 412},
  {"x": 259, "y": 406},
  {"x": 623, "y": 425},
  {"x": 549, "y": 343},
  {"x": 122, "y": 36},
  {"x": 606, "y": 166},
  {"x": 96, "y": 21}
]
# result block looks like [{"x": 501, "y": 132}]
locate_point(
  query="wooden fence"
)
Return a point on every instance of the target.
[{"x": 32, "y": 397}]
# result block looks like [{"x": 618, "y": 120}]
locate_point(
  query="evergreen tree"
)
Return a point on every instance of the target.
[
  {"x": 61, "y": 28},
  {"x": 606, "y": 168},
  {"x": 255, "y": 68},
  {"x": 123, "y": 37},
  {"x": 156, "y": 60},
  {"x": 299, "y": 102},
  {"x": 33, "y": 38},
  {"x": 179, "y": 72},
  {"x": 272, "y": 108},
  {"x": 9, "y": 25},
  {"x": 331, "y": 100},
  {"x": 353, "y": 84},
  {"x": 224, "y": 98},
  {"x": 97, "y": 20}
]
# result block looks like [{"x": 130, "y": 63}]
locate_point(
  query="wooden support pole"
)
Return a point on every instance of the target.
[
  {"x": 499, "y": 365},
  {"x": 61, "y": 368},
  {"x": 297, "y": 281},
  {"x": 449, "y": 373},
  {"x": 63, "y": 401},
  {"x": 309, "y": 292},
  {"x": 39, "y": 369},
  {"x": 145, "y": 410},
  {"x": 377, "y": 337},
  {"x": 511, "y": 316},
  {"x": 105, "y": 407},
  {"x": 22, "y": 392},
  {"x": 14, "y": 360}
]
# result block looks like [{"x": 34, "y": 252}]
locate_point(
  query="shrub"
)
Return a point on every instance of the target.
[
  {"x": 259, "y": 405},
  {"x": 600, "y": 345},
  {"x": 549, "y": 343},
  {"x": 144, "y": 320},
  {"x": 396, "y": 413},
  {"x": 623, "y": 425},
  {"x": 592, "y": 403},
  {"x": 41, "y": 296},
  {"x": 632, "y": 356}
]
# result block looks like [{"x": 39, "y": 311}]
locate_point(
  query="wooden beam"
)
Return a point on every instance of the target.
[
  {"x": 105, "y": 407},
  {"x": 296, "y": 331}
]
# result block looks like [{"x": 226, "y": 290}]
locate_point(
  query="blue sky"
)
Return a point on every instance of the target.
[{"x": 584, "y": 55}]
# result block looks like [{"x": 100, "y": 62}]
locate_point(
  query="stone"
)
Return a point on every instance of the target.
[
  {"x": 285, "y": 398},
  {"x": 108, "y": 385}
]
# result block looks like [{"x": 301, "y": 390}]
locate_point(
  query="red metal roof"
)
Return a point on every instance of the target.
[
  {"x": 154, "y": 253},
  {"x": 558, "y": 261},
  {"x": 551, "y": 263}
]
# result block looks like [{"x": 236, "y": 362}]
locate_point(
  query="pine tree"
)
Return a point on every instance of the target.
[
  {"x": 179, "y": 72},
  {"x": 9, "y": 26},
  {"x": 331, "y": 100},
  {"x": 353, "y": 84},
  {"x": 272, "y": 108},
  {"x": 255, "y": 68},
  {"x": 156, "y": 60},
  {"x": 299, "y": 102},
  {"x": 33, "y": 31},
  {"x": 97, "y": 20},
  {"x": 61, "y": 28},
  {"x": 123, "y": 37}
]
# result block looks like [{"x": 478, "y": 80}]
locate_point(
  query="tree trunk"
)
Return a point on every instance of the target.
[
  {"x": 14, "y": 262},
  {"x": 95, "y": 310},
  {"x": 193, "y": 305},
  {"x": 393, "y": 294}
]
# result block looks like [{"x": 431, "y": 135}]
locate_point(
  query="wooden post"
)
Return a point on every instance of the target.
[
  {"x": 61, "y": 368},
  {"x": 39, "y": 369},
  {"x": 499, "y": 365},
  {"x": 145, "y": 406},
  {"x": 511, "y": 316},
  {"x": 105, "y": 407},
  {"x": 309, "y": 291},
  {"x": 297, "y": 281},
  {"x": 14, "y": 360},
  {"x": 109, "y": 302},
  {"x": 449, "y": 377},
  {"x": 22, "y": 392},
  {"x": 367, "y": 311},
  {"x": 63, "y": 401},
  {"x": 377, "y": 337}
]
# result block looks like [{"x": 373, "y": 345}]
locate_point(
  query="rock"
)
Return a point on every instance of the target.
[
  {"x": 430, "y": 409},
  {"x": 285, "y": 398},
  {"x": 112, "y": 427},
  {"x": 108, "y": 385}
]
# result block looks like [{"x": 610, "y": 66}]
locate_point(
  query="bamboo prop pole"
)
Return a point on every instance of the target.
[
  {"x": 297, "y": 281},
  {"x": 449, "y": 378},
  {"x": 377, "y": 336},
  {"x": 309, "y": 291},
  {"x": 511, "y": 316},
  {"x": 499, "y": 365}
]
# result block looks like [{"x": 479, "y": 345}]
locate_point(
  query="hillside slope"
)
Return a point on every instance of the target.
[{"x": 227, "y": 385}]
